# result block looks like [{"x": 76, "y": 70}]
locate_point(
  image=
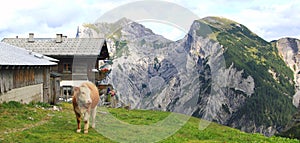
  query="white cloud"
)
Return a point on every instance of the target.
[
  {"x": 48, "y": 17},
  {"x": 269, "y": 19},
  {"x": 169, "y": 31}
]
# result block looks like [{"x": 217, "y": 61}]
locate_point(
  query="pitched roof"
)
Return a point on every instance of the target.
[
  {"x": 12, "y": 55},
  {"x": 68, "y": 46}
]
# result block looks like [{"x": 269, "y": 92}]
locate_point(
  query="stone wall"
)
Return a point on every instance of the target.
[{"x": 24, "y": 94}]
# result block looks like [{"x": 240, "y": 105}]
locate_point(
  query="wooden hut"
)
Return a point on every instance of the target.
[
  {"x": 78, "y": 57},
  {"x": 24, "y": 75}
]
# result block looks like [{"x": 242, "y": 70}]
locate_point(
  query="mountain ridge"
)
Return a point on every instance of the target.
[{"x": 247, "y": 90}]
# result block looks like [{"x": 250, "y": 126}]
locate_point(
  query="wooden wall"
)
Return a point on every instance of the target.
[
  {"x": 6, "y": 80},
  {"x": 12, "y": 77},
  {"x": 81, "y": 67},
  {"x": 16, "y": 77}
]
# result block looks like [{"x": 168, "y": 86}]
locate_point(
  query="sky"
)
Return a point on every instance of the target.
[{"x": 269, "y": 19}]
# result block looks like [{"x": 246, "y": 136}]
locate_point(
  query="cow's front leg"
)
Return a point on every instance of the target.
[
  {"x": 86, "y": 122},
  {"x": 78, "y": 123}
]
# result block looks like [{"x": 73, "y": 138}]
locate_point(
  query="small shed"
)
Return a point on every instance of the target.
[
  {"x": 24, "y": 75},
  {"x": 55, "y": 79}
]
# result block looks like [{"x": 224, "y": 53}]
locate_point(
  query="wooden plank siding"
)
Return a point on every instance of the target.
[
  {"x": 17, "y": 77},
  {"x": 6, "y": 80},
  {"x": 25, "y": 77}
]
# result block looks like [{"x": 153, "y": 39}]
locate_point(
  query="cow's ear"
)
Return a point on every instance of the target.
[{"x": 76, "y": 89}]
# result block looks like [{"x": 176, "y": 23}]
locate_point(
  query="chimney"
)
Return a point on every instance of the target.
[
  {"x": 31, "y": 39},
  {"x": 64, "y": 38},
  {"x": 58, "y": 38}
]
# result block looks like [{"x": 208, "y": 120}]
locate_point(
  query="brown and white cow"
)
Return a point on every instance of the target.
[{"x": 85, "y": 100}]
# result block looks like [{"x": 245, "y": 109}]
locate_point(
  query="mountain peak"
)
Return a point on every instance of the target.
[
  {"x": 123, "y": 21},
  {"x": 219, "y": 21},
  {"x": 218, "y": 18}
]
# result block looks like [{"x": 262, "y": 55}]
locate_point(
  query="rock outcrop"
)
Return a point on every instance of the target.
[{"x": 288, "y": 48}]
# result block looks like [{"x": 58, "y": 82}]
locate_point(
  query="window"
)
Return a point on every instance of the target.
[
  {"x": 66, "y": 94},
  {"x": 67, "y": 68}
]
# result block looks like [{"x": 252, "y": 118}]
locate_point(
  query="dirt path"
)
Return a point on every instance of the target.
[{"x": 27, "y": 126}]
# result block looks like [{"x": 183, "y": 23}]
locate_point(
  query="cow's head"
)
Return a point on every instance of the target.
[{"x": 83, "y": 96}]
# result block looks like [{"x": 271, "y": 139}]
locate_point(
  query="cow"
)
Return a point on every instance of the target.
[{"x": 85, "y": 100}]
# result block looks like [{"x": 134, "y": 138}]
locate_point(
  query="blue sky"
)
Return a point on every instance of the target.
[{"x": 270, "y": 19}]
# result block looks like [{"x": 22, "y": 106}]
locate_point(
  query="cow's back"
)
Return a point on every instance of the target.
[{"x": 94, "y": 92}]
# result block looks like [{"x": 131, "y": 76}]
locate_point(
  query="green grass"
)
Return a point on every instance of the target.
[{"x": 60, "y": 126}]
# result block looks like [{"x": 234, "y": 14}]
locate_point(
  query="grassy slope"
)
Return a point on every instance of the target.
[{"x": 59, "y": 126}]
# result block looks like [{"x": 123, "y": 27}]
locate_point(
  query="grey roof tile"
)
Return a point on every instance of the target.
[
  {"x": 12, "y": 55},
  {"x": 70, "y": 46}
]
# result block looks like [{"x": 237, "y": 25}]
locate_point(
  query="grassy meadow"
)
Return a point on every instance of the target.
[{"x": 40, "y": 123}]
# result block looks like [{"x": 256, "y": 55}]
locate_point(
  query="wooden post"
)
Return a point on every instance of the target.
[
  {"x": 67, "y": 96},
  {"x": 61, "y": 93},
  {"x": 46, "y": 80},
  {"x": 54, "y": 91}
]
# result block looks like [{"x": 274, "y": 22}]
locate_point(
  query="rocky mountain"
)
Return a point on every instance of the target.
[
  {"x": 288, "y": 49},
  {"x": 220, "y": 71},
  {"x": 274, "y": 86}
]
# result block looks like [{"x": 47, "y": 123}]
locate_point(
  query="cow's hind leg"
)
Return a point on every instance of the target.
[{"x": 93, "y": 113}]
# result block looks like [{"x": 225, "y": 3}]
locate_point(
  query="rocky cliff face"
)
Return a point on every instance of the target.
[
  {"x": 288, "y": 48},
  {"x": 189, "y": 76},
  {"x": 274, "y": 86}
]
